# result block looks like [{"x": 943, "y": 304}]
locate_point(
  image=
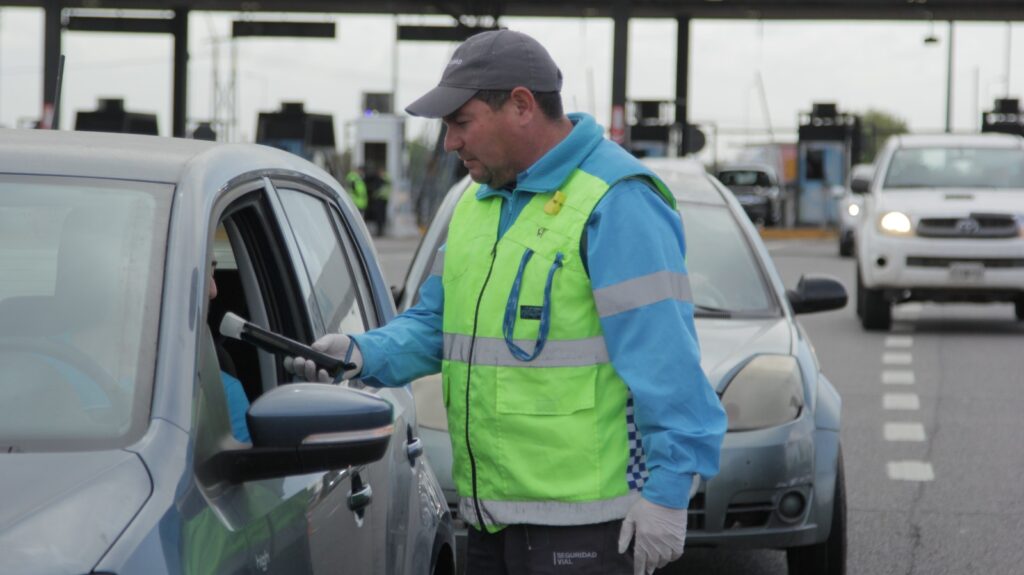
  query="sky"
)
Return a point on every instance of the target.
[{"x": 858, "y": 65}]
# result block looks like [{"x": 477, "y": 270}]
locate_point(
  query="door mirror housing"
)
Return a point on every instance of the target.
[
  {"x": 816, "y": 293},
  {"x": 306, "y": 428}
]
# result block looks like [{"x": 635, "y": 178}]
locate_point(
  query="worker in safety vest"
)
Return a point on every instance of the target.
[
  {"x": 357, "y": 189},
  {"x": 559, "y": 315}
]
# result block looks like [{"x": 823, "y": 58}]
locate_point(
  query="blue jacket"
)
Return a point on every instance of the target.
[{"x": 631, "y": 233}]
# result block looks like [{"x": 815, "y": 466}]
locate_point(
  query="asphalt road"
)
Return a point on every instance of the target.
[{"x": 933, "y": 431}]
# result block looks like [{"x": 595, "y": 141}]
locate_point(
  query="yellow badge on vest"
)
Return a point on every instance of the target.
[{"x": 555, "y": 204}]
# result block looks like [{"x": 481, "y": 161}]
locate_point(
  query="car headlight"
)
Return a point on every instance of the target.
[
  {"x": 766, "y": 392},
  {"x": 853, "y": 210},
  {"x": 896, "y": 223}
]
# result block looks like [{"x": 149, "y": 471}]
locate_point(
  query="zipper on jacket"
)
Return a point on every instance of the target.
[{"x": 469, "y": 376}]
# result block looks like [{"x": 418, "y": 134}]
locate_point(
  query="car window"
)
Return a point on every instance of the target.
[
  {"x": 939, "y": 167},
  {"x": 335, "y": 295},
  {"x": 744, "y": 178},
  {"x": 81, "y": 268},
  {"x": 724, "y": 272}
]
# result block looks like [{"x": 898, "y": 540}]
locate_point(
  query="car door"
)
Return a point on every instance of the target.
[
  {"x": 296, "y": 524},
  {"x": 340, "y": 293}
]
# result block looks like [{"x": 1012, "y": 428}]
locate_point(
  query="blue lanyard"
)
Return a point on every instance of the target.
[{"x": 512, "y": 307}]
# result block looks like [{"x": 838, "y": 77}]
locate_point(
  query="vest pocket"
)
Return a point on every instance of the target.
[
  {"x": 545, "y": 391},
  {"x": 546, "y": 433}
]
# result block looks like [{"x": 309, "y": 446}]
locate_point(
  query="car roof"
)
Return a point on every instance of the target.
[
  {"x": 140, "y": 158},
  {"x": 987, "y": 140},
  {"x": 681, "y": 175},
  {"x": 747, "y": 167}
]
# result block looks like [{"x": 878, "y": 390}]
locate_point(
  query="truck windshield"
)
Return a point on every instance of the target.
[
  {"x": 81, "y": 264},
  {"x": 938, "y": 167}
]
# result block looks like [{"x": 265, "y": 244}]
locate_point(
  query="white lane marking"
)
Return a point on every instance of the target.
[
  {"x": 910, "y": 470},
  {"x": 898, "y": 377},
  {"x": 897, "y": 358},
  {"x": 899, "y": 341},
  {"x": 901, "y": 401},
  {"x": 912, "y": 308},
  {"x": 904, "y": 431}
]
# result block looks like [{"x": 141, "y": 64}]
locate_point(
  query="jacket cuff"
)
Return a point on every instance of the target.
[{"x": 669, "y": 489}]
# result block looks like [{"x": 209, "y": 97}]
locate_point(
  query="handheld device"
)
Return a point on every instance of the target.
[{"x": 235, "y": 327}]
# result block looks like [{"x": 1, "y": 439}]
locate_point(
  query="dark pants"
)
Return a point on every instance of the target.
[
  {"x": 543, "y": 550},
  {"x": 378, "y": 213}
]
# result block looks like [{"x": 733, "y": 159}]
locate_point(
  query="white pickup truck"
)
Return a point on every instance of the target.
[{"x": 943, "y": 221}]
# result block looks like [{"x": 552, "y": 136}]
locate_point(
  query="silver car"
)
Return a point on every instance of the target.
[
  {"x": 851, "y": 205},
  {"x": 132, "y": 438},
  {"x": 781, "y": 481}
]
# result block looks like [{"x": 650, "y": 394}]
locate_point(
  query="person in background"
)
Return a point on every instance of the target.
[
  {"x": 356, "y": 187},
  {"x": 562, "y": 323},
  {"x": 378, "y": 187}
]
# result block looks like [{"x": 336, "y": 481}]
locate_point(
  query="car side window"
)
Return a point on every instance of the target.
[{"x": 335, "y": 292}]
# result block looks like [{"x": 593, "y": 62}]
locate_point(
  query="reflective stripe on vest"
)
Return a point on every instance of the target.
[
  {"x": 549, "y": 512},
  {"x": 641, "y": 291},
  {"x": 494, "y": 351}
]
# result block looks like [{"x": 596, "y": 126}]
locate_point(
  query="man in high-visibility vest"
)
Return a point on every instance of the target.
[
  {"x": 357, "y": 189},
  {"x": 560, "y": 317}
]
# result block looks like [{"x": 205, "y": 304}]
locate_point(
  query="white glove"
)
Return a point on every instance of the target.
[
  {"x": 660, "y": 535},
  {"x": 338, "y": 345}
]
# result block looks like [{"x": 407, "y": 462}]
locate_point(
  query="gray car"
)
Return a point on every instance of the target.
[
  {"x": 133, "y": 438},
  {"x": 781, "y": 482}
]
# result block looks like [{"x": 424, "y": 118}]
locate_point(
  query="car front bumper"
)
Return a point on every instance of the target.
[
  {"x": 742, "y": 506},
  {"x": 941, "y": 266}
]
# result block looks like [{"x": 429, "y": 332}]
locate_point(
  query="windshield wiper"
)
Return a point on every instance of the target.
[{"x": 708, "y": 311}]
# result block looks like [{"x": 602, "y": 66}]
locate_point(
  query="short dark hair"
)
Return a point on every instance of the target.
[{"x": 550, "y": 103}]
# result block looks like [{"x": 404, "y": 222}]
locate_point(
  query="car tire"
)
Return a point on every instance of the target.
[
  {"x": 829, "y": 556},
  {"x": 874, "y": 310},
  {"x": 860, "y": 295},
  {"x": 845, "y": 245}
]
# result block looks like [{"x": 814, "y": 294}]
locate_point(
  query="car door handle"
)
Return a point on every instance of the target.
[
  {"x": 358, "y": 499},
  {"x": 414, "y": 449}
]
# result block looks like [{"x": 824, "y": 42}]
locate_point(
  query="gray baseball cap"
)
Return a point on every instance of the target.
[{"x": 492, "y": 60}]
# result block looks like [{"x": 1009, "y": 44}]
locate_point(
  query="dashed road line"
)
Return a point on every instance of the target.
[
  {"x": 904, "y": 431},
  {"x": 899, "y": 341},
  {"x": 897, "y": 358},
  {"x": 898, "y": 377},
  {"x": 910, "y": 470},
  {"x": 901, "y": 401}
]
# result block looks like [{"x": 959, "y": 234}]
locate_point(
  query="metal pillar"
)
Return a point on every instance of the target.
[
  {"x": 620, "y": 15},
  {"x": 180, "y": 89},
  {"x": 51, "y": 61},
  {"x": 682, "y": 80},
  {"x": 949, "y": 81}
]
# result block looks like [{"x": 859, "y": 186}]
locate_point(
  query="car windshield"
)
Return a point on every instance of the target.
[
  {"x": 81, "y": 265},
  {"x": 937, "y": 167},
  {"x": 725, "y": 277},
  {"x": 744, "y": 178}
]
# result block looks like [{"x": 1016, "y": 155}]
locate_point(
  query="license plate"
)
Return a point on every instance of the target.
[{"x": 967, "y": 272}]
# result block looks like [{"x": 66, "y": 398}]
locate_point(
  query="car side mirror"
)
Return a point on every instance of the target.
[
  {"x": 303, "y": 428},
  {"x": 860, "y": 185},
  {"x": 816, "y": 293}
]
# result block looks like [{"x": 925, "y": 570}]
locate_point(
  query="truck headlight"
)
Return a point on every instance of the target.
[
  {"x": 853, "y": 210},
  {"x": 896, "y": 223},
  {"x": 766, "y": 392}
]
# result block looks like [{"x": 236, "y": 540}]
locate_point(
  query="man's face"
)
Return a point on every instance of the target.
[{"x": 482, "y": 138}]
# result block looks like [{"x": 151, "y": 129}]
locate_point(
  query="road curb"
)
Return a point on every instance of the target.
[{"x": 797, "y": 234}]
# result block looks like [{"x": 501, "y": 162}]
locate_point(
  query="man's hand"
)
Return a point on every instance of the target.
[
  {"x": 338, "y": 345},
  {"x": 660, "y": 535}
]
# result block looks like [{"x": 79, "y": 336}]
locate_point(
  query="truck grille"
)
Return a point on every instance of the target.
[
  {"x": 990, "y": 263},
  {"x": 980, "y": 226}
]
